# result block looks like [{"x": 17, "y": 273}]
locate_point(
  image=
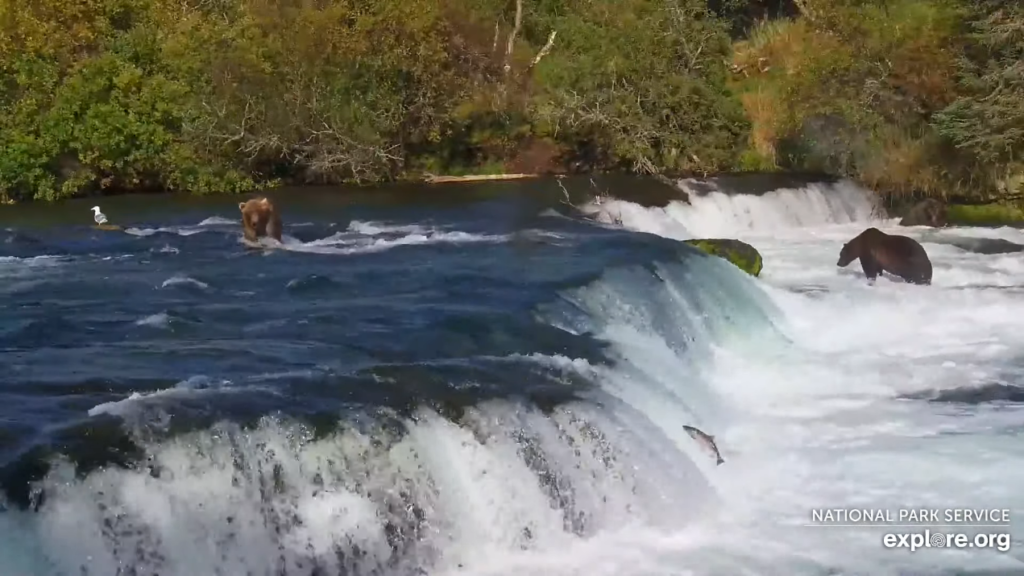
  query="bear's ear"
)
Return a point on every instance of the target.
[
  {"x": 264, "y": 201},
  {"x": 241, "y": 206}
]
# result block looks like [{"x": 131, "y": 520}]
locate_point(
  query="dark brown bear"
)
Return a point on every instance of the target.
[
  {"x": 260, "y": 218},
  {"x": 880, "y": 252}
]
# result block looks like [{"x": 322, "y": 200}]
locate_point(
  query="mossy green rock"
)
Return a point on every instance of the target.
[
  {"x": 985, "y": 215},
  {"x": 742, "y": 255}
]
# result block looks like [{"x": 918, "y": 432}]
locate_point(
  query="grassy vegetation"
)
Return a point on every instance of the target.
[{"x": 912, "y": 97}]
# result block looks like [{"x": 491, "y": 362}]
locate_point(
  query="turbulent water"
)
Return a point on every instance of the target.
[{"x": 497, "y": 385}]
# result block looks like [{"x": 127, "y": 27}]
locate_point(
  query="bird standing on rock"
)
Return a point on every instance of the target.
[{"x": 98, "y": 216}]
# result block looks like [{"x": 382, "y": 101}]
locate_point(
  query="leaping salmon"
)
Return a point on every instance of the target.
[{"x": 705, "y": 440}]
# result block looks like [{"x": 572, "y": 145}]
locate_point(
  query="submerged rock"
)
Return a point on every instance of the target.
[
  {"x": 928, "y": 212},
  {"x": 987, "y": 246},
  {"x": 742, "y": 255}
]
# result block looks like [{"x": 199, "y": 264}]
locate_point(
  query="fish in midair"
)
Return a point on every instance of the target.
[
  {"x": 705, "y": 440},
  {"x": 98, "y": 216}
]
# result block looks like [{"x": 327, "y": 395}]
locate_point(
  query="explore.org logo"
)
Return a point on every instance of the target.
[
  {"x": 917, "y": 528},
  {"x": 928, "y": 539}
]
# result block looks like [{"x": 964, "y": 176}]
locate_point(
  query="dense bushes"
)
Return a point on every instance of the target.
[
  {"x": 909, "y": 96},
  {"x": 912, "y": 97},
  {"x": 208, "y": 95}
]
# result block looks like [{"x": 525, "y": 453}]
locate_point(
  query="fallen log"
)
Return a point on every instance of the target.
[{"x": 431, "y": 179}]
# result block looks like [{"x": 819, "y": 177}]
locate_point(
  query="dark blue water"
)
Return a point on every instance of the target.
[
  {"x": 116, "y": 343},
  {"x": 465, "y": 380},
  {"x": 363, "y": 307}
]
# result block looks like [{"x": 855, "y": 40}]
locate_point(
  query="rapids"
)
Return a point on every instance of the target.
[{"x": 495, "y": 385}]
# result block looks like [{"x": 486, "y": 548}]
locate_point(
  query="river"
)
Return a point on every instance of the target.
[{"x": 476, "y": 380}]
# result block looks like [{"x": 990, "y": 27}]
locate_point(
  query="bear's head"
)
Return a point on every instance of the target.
[
  {"x": 849, "y": 253},
  {"x": 255, "y": 211},
  {"x": 864, "y": 243},
  {"x": 260, "y": 218}
]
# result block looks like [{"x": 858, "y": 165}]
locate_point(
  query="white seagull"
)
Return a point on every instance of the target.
[{"x": 98, "y": 216}]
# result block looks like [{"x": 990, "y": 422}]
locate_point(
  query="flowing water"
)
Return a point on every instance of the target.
[{"x": 486, "y": 383}]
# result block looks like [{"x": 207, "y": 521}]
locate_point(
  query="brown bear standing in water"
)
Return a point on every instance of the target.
[
  {"x": 260, "y": 218},
  {"x": 880, "y": 252}
]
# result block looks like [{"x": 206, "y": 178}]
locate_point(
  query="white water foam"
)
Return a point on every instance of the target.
[
  {"x": 510, "y": 484},
  {"x": 23, "y": 274},
  {"x": 368, "y": 237},
  {"x": 371, "y": 228},
  {"x": 211, "y": 224},
  {"x": 795, "y": 373},
  {"x": 193, "y": 386},
  {"x": 819, "y": 422},
  {"x": 717, "y": 214},
  {"x": 158, "y": 320},
  {"x": 183, "y": 280},
  {"x": 12, "y": 266},
  {"x": 456, "y": 498},
  {"x": 360, "y": 237}
]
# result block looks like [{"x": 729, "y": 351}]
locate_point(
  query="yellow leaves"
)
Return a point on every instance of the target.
[
  {"x": 878, "y": 71},
  {"x": 784, "y": 47},
  {"x": 926, "y": 72},
  {"x": 904, "y": 165},
  {"x": 767, "y": 117},
  {"x": 770, "y": 70},
  {"x": 53, "y": 28}
]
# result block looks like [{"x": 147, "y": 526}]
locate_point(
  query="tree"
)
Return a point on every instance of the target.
[
  {"x": 642, "y": 81},
  {"x": 987, "y": 120}
]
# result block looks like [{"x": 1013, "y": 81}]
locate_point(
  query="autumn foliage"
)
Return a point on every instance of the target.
[{"x": 912, "y": 97}]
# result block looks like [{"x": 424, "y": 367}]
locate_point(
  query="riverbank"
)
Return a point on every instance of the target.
[
  {"x": 650, "y": 192},
  {"x": 127, "y": 95}
]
